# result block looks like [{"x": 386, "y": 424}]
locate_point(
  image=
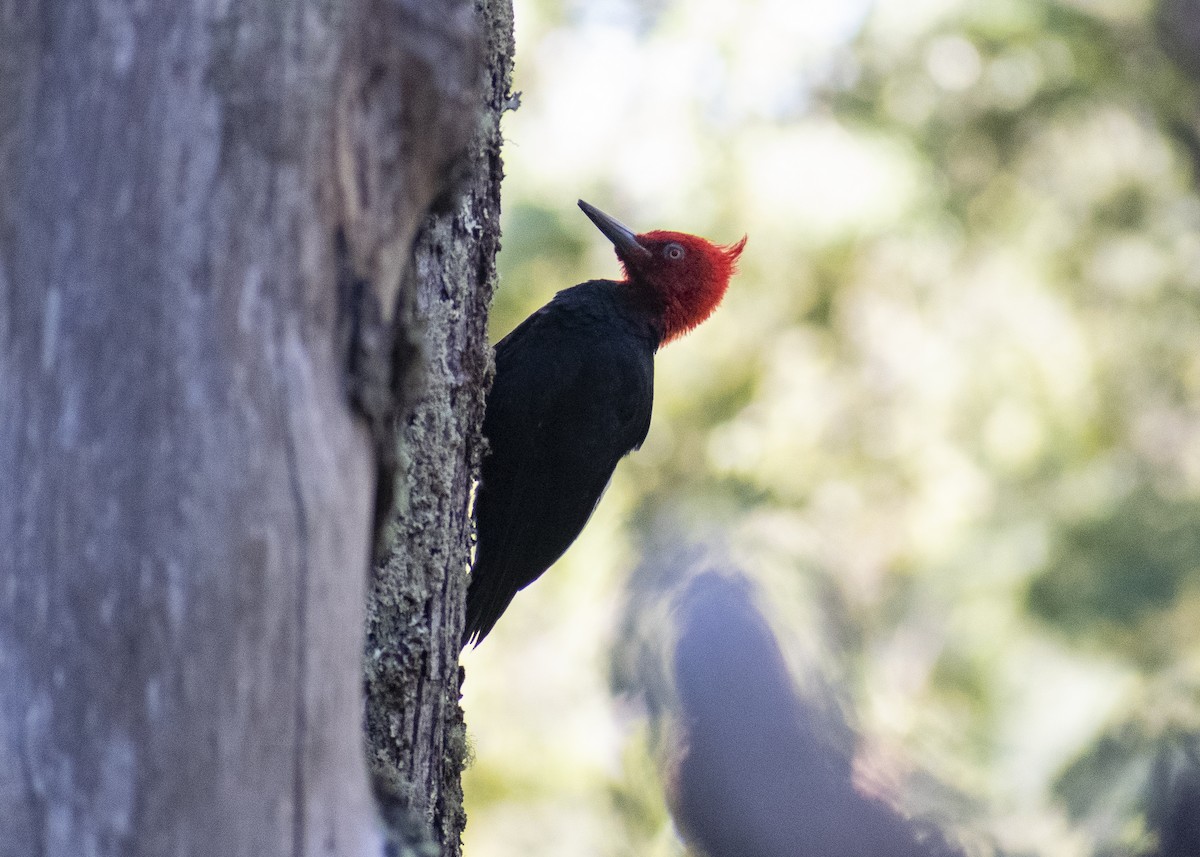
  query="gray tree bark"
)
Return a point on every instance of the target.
[
  {"x": 415, "y": 726},
  {"x": 186, "y": 498}
]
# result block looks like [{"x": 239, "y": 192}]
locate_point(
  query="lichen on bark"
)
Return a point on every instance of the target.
[{"x": 415, "y": 731}]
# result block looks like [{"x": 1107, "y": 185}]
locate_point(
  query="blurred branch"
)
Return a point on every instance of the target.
[
  {"x": 754, "y": 768},
  {"x": 1178, "y": 26},
  {"x": 1173, "y": 813}
]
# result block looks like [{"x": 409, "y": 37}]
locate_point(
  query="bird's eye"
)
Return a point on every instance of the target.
[{"x": 674, "y": 252}]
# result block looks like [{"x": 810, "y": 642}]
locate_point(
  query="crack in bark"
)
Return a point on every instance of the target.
[
  {"x": 296, "y": 489},
  {"x": 37, "y": 801}
]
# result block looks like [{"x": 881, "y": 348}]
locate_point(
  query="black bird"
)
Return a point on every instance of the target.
[{"x": 572, "y": 395}]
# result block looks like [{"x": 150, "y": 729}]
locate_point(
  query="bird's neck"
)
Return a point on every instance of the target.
[{"x": 679, "y": 310}]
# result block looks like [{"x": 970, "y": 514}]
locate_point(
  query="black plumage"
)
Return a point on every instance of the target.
[{"x": 573, "y": 394}]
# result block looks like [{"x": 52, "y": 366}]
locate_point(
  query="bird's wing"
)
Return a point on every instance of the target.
[{"x": 566, "y": 405}]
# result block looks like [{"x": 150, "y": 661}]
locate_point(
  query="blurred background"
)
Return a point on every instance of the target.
[{"x": 947, "y": 418}]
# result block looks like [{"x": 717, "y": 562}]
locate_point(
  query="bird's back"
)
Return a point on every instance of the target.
[{"x": 572, "y": 395}]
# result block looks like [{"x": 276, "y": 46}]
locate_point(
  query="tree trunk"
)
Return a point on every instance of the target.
[
  {"x": 414, "y": 723},
  {"x": 187, "y": 494}
]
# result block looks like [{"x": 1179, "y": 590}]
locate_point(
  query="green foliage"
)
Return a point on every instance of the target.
[
  {"x": 952, "y": 399},
  {"x": 1114, "y": 577},
  {"x": 1106, "y": 789}
]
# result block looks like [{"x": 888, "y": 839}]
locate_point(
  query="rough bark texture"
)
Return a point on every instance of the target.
[
  {"x": 414, "y": 723},
  {"x": 186, "y": 496}
]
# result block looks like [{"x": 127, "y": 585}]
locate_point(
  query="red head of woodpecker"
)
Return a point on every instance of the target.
[
  {"x": 572, "y": 395},
  {"x": 681, "y": 277}
]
